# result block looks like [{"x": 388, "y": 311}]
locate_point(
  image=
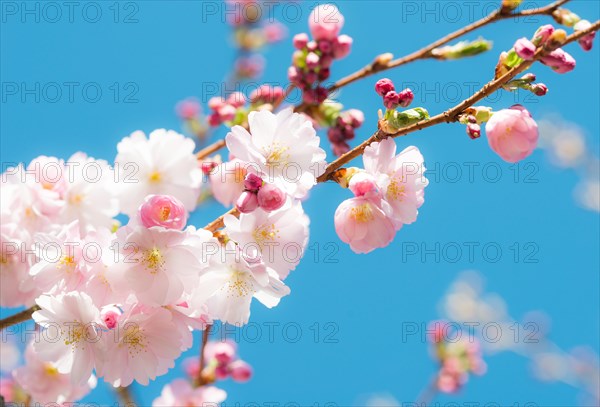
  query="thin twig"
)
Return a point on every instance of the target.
[
  {"x": 218, "y": 223},
  {"x": 22, "y": 316},
  {"x": 202, "y": 363},
  {"x": 425, "y": 52},
  {"x": 428, "y": 393}
]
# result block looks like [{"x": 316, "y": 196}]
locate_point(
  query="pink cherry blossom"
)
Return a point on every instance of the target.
[
  {"x": 159, "y": 264},
  {"x": 281, "y": 235},
  {"x": 283, "y": 147},
  {"x": 325, "y": 22},
  {"x": 17, "y": 287},
  {"x": 162, "y": 164},
  {"x": 227, "y": 181},
  {"x": 181, "y": 393},
  {"x": 46, "y": 385},
  {"x": 163, "y": 210},
  {"x": 144, "y": 345},
  {"x": 235, "y": 276},
  {"x": 400, "y": 178},
  {"x": 512, "y": 133},
  {"x": 364, "y": 224},
  {"x": 71, "y": 342}
]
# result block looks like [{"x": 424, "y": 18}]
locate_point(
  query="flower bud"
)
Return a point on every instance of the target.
[
  {"x": 240, "y": 371},
  {"x": 312, "y": 60},
  {"x": 325, "y": 22},
  {"x": 473, "y": 130},
  {"x": 247, "y": 202},
  {"x": 383, "y": 86},
  {"x": 539, "y": 89},
  {"x": 325, "y": 46},
  {"x": 565, "y": 17},
  {"x": 208, "y": 166},
  {"x": 216, "y": 102},
  {"x": 558, "y": 37},
  {"x": 559, "y": 60},
  {"x": 391, "y": 100},
  {"x": 341, "y": 46},
  {"x": 253, "y": 182},
  {"x": 362, "y": 183},
  {"x": 227, "y": 113},
  {"x": 163, "y": 210},
  {"x": 525, "y": 49},
  {"x": 528, "y": 77},
  {"x": 236, "y": 99},
  {"x": 586, "y": 42},
  {"x": 542, "y": 34},
  {"x": 270, "y": 197},
  {"x": 300, "y": 40},
  {"x": 188, "y": 109},
  {"x": 406, "y": 97},
  {"x": 509, "y": 5},
  {"x": 512, "y": 133}
]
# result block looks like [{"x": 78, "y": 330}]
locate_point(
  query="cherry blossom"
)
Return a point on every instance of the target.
[
  {"x": 284, "y": 147},
  {"x": 71, "y": 342},
  {"x": 161, "y": 164},
  {"x": 181, "y": 393},
  {"x": 512, "y": 133},
  {"x": 281, "y": 235},
  {"x": 45, "y": 384}
]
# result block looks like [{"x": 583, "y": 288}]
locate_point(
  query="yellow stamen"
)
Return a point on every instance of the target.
[
  {"x": 155, "y": 177},
  {"x": 362, "y": 213}
]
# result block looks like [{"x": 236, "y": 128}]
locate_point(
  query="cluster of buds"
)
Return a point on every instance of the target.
[
  {"x": 258, "y": 193},
  {"x": 251, "y": 33},
  {"x": 525, "y": 50},
  {"x": 343, "y": 130},
  {"x": 570, "y": 19},
  {"x": 457, "y": 357},
  {"x": 392, "y": 99},
  {"x": 312, "y": 60},
  {"x": 473, "y": 117},
  {"x": 190, "y": 112},
  {"x": 233, "y": 109},
  {"x": 221, "y": 362},
  {"x": 526, "y": 82}
]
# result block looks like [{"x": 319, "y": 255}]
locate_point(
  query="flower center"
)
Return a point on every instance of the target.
[
  {"x": 277, "y": 155},
  {"x": 76, "y": 199},
  {"x": 75, "y": 336},
  {"x": 50, "y": 370},
  {"x": 154, "y": 177},
  {"x": 68, "y": 263},
  {"x": 362, "y": 213},
  {"x": 153, "y": 260},
  {"x": 265, "y": 233},
  {"x": 165, "y": 211},
  {"x": 238, "y": 284},
  {"x": 396, "y": 191},
  {"x": 135, "y": 340}
]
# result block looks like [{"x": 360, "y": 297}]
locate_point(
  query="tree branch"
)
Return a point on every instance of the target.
[
  {"x": 22, "y": 316},
  {"x": 205, "y": 334},
  {"x": 425, "y": 52},
  {"x": 125, "y": 396}
]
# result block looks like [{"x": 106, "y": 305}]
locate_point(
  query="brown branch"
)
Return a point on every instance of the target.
[
  {"x": 125, "y": 396},
  {"x": 218, "y": 223},
  {"x": 22, "y": 316},
  {"x": 425, "y": 52},
  {"x": 450, "y": 115},
  {"x": 205, "y": 334}
]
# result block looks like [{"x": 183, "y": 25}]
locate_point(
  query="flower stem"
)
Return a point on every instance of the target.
[
  {"x": 125, "y": 396},
  {"x": 205, "y": 334}
]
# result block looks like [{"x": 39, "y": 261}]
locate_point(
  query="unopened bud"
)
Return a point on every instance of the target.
[
  {"x": 473, "y": 130},
  {"x": 565, "y": 17},
  {"x": 539, "y": 89}
]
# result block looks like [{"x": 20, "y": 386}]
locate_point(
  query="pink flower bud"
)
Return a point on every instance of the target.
[
  {"x": 312, "y": 46},
  {"x": 324, "y": 73},
  {"x": 525, "y": 49},
  {"x": 208, "y": 166},
  {"x": 163, "y": 210},
  {"x": 227, "y": 113},
  {"x": 270, "y": 197},
  {"x": 406, "y": 97},
  {"x": 247, "y": 202},
  {"x": 188, "y": 109},
  {"x": 356, "y": 117},
  {"x": 223, "y": 351},
  {"x": 110, "y": 316},
  {"x": 253, "y": 182},
  {"x": 586, "y": 42},
  {"x": 236, "y": 99},
  {"x": 391, "y": 100},
  {"x": 559, "y": 60},
  {"x": 362, "y": 183},
  {"x": 474, "y": 130},
  {"x": 383, "y": 86},
  {"x": 340, "y": 148},
  {"x": 293, "y": 74},
  {"x": 300, "y": 40},
  {"x": 214, "y": 120},
  {"x": 275, "y": 31},
  {"x": 322, "y": 94},
  {"x": 326, "y": 61},
  {"x": 539, "y": 89},
  {"x": 325, "y": 22},
  {"x": 222, "y": 372},
  {"x": 325, "y": 46},
  {"x": 342, "y": 46},
  {"x": 542, "y": 34},
  {"x": 335, "y": 135},
  {"x": 528, "y": 77},
  {"x": 215, "y": 103},
  {"x": 312, "y": 60},
  {"x": 512, "y": 133},
  {"x": 240, "y": 371}
]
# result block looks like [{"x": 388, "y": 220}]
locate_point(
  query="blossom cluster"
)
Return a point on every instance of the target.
[{"x": 312, "y": 60}]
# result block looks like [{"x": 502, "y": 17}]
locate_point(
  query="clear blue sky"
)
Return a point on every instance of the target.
[{"x": 174, "y": 49}]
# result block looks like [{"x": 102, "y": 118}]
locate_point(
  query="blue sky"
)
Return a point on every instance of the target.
[{"x": 158, "y": 52}]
